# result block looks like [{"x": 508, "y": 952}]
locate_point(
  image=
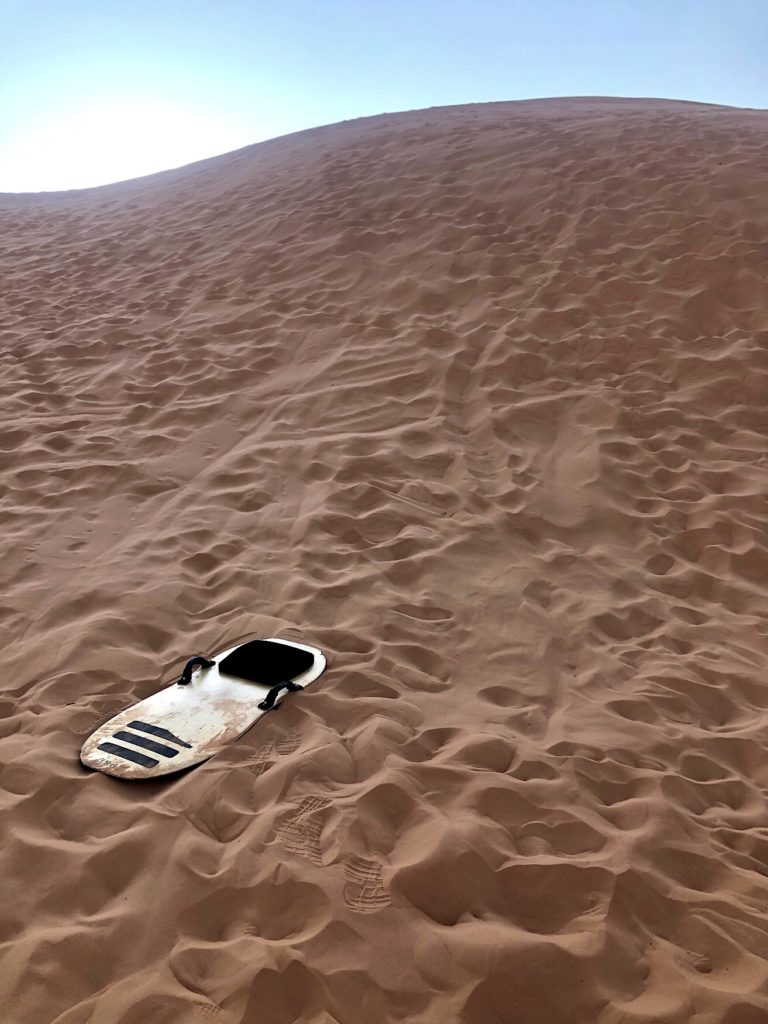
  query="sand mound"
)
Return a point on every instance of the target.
[{"x": 474, "y": 399}]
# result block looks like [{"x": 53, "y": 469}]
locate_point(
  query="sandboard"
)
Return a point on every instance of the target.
[{"x": 211, "y": 705}]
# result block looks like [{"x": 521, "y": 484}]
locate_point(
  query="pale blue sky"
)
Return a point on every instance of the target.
[{"x": 93, "y": 91}]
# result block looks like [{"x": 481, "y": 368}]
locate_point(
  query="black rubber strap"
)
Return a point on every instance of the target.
[
  {"x": 269, "y": 701},
  {"x": 197, "y": 662}
]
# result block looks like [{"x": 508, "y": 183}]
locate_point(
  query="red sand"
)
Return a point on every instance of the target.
[{"x": 474, "y": 399}]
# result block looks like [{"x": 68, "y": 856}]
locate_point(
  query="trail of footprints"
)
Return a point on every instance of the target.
[{"x": 364, "y": 890}]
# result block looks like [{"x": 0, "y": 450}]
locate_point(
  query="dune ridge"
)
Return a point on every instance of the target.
[{"x": 474, "y": 399}]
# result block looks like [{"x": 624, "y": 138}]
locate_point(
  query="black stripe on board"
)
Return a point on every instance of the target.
[
  {"x": 157, "y": 730},
  {"x": 129, "y": 755},
  {"x": 148, "y": 744}
]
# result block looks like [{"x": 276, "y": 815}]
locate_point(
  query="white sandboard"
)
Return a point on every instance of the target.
[{"x": 184, "y": 725}]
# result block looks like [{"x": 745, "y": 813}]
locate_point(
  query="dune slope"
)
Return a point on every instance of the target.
[{"x": 474, "y": 399}]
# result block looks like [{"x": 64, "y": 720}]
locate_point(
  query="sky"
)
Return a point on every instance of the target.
[{"x": 96, "y": 91}]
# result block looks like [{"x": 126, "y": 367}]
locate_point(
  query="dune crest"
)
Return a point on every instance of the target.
[{"x": 473, "y": 399}]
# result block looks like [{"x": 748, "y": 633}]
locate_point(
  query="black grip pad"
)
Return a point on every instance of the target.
[{"x": 266, "y": 662}]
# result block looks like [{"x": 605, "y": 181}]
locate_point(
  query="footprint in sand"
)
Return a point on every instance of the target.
[
  {"x": 365, "y": 891},
  {"x": 266, "y": 756},
  {"x": 288, "y": 744},
  {"x": 301, "y": 832},
  {"x": 208, "y": 1010}
]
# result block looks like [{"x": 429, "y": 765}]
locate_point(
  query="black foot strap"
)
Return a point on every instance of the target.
[
  {"x": 197, "y": 662},
  {"x": 269, "y": 701}
]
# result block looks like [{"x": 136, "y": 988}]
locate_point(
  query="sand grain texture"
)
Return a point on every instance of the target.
[{"x": 474, "y": 399}]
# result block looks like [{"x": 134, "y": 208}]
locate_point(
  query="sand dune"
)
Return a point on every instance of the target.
[{"x": 474, "y": 399}]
